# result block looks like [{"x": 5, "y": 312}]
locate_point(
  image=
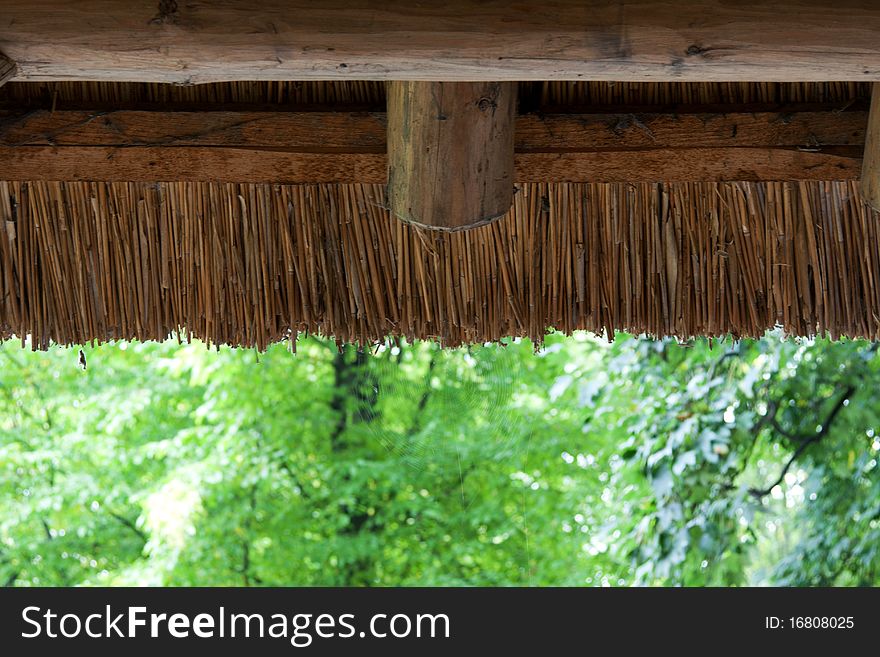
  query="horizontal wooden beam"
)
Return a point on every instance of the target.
[
  {"x": 464, "y": 40},
  {"x": 194, "y": 164},
  {"x": 341, "y": 132},
  {"x": 350, "y": 132},
  {"x": 316, "y": 147},
  {"x": 870, "y": 181}
]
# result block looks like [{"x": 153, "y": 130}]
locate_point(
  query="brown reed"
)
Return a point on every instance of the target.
[
  {"x": 365, "y": 94},
  {"x": 250, "y": 264}
]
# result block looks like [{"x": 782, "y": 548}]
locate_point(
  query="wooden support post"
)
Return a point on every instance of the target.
[
  {"x": 7, "y": 69},
  {"x": 450, "y": 152},
  {"x": 871, "y": 162}
]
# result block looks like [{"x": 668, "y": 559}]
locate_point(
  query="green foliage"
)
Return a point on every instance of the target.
[{"x": 585, "y": 463}]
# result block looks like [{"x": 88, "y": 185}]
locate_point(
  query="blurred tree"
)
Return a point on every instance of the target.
[{"x": 584, "y": 463}]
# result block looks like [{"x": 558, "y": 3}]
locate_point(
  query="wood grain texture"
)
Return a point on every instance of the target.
[
  {"x": 315, "y": 147},
  {"x": 204, "y": 164},
  {"x": 352, "y": 132},
  {"x": 347, "y": 132},
  {"x": 870, "y": 180},
  {"x": 450, "y": 152},
  {"x": 464, "y": 40},
  {"x": 190, "y": 163},
  {"x": 7, "y": 69}
]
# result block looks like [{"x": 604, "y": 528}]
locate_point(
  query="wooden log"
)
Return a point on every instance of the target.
[
  {"x": 7, "y": 69},
  {"x": 870, "y": 179},
  {"x": 316, "y": 132},
  {"x": 201, "y": 164},
  {"x": 807, "y": 143},
  {"x": 361, "y": 132},
  {"x": 450, "y": 152},
  {"x": 649, "y": 40}
]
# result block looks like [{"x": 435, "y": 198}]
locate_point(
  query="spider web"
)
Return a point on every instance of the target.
[{"x": 450, "y": 413}]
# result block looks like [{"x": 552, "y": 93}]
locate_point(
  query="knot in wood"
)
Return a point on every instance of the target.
[{"x": 485, "y": 104}]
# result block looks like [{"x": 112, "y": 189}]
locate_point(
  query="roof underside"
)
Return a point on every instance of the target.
[
  {"x": 371, "y": 95},
  {"x": 248, "y": 264}
]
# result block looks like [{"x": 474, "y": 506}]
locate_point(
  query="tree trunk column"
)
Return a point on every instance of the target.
[
  {"x": 870, "y": 186},
  {"x": 450, "y": 152}
]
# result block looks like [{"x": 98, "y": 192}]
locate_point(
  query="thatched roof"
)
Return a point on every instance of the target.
[
  {"x": 371, "y": 95},
  {"x": 246, "y": 264}
]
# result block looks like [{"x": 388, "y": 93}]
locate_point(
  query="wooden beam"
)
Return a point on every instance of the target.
[
  {"x": 450, "y": 152},
  {"x": 7, "y": 69},
  {"x": 193, "y": 164},
  {"x": 464, "y": 40},
  {"x": 319, "y": 132},
  {"x": 315, "y": 147},
  {"x": 349, "y": 132},
  {"x": 870, "y": 181}
]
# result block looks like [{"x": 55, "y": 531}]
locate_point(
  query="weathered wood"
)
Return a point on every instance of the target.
[
  {"x": 344, "y": 132},
  {"x": 7, "y": 69},
  {"x": 188, "y": 164},
  {"x": 304, "y": 147},
  {"x": 207, "y": 164},
  {"x": 870, "y": 181},
  {"x": 450, "y": 152},
  {"x": 659, "y": 40},
  {"x": 353, "y": 132}
]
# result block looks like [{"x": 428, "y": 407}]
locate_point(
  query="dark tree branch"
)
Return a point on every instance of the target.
[
  {"x": 731, "y": 353},
  {"x": 804, "y": 440},
  {"x": 11, "y": 579},
  {"x": 423, "y": 400},
  {"x": 128, "y": 523},
  {"x": 304, "y": 493},
  {"x": 62, "y": 574},
  {"x": 351, "y": 381},
  {"x": 46, "y": 530},
  {"x": 337, "y": 403},
  {"x": 248, "y": 577}
]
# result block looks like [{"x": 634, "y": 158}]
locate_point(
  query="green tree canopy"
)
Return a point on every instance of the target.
[{"x": 582, "y": 463}]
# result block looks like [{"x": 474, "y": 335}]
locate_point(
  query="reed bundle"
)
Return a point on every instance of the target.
[
  {"x": 250, "y": 264},
  {"x": 371, "y": 95}
]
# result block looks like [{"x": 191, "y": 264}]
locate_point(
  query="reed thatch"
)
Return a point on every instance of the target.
[
  {"x": 250, "y": 264},
  {"x": 371, "y": 95},
  {"x": 247, "y": 264}
]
